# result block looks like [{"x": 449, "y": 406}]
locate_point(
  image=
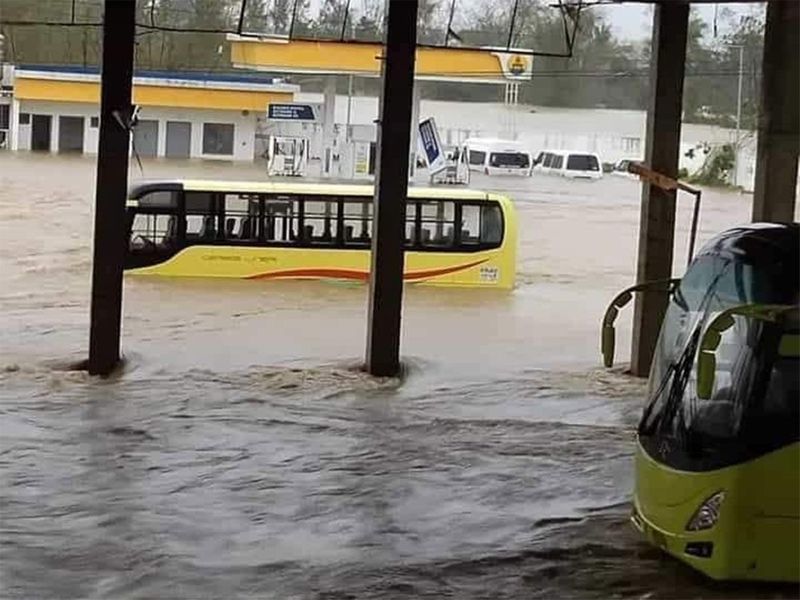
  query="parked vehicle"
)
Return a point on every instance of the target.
[
  {"x": 568, "y": 163},
  {"x": 498, "y": 157}
]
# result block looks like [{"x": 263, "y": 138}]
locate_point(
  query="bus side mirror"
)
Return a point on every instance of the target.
[
  {"x": 607, "y": 345},
  {"x": 608, "y": 338},
  {"x": 608, "y": 334},
  {"x": 707, "y": 358}
]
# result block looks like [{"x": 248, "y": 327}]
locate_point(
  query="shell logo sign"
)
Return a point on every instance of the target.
[{"x": 515, "y": 66}]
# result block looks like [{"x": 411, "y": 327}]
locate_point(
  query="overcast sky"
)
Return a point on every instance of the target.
[{"x": 633, "y": 21}]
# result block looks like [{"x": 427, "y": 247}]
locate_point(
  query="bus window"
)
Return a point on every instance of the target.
[
  {"x": 491, "y": 225},
  {"x": 470, "y": 224},
  {"x": 241, "y": 217},
  {"x": 476, "y": 157},
  {"x": 282, "y": 219},
  {"x": 320, "y": 224},
  {"x": 159, "y": 199},
  {"x": 548, "y": 160},
  {"x": 199, "y": 203},
  {"x": 411, "y": 223},
  {"x": 201, "y": 219},
  {"x": 437, "y": 223},
  {"x": 153, "y": 231},
  {"x": 558, "y": 161},
  {"x": 357, "y": 222}
]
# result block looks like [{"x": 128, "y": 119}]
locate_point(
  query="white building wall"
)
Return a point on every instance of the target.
[
  {"x": 244, "y": 123},
  {"x": 55, "y": 110}
]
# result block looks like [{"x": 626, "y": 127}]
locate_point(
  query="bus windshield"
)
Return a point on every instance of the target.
[
  {"x": 509, "y": 159},
  {"x": 745, "y": 361}
]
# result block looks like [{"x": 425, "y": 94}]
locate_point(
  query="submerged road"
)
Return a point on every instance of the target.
[{"x": 240, "y": 452}]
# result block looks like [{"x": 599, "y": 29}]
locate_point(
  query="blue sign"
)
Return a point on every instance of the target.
[
  {"x": 291, "y": 112},
  {"x": 429, "y": 138}
]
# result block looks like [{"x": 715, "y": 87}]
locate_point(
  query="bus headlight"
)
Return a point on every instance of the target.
[{"x": 707, "y": 515}]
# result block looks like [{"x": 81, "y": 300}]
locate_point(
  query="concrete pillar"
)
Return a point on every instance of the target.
[
  {"x": 391, "y": 188},
  {"x": 119, "y": 26},
  {"x": 778, "y": 131},
  {"x": 662, "y": 145},
  {"x": 328, "y": 123}
]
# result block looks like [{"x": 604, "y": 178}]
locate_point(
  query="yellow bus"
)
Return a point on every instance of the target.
[{"x": 271, "y": 230}]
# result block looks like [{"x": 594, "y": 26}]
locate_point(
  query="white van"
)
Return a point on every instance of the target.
[
  {"x": 568, "y": 163},
  {"x": 497, "y": 157}
]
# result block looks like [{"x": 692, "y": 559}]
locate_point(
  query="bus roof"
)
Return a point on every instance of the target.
[{"x": 281, "y": 187}]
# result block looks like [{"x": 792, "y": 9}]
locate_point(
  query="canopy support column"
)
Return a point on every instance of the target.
[
  {"x": 775, "y": 192},
  {"x": 112, "y": 186},
  {"x": 391, "y": 188},
  {"x": 662, "y": 146}
]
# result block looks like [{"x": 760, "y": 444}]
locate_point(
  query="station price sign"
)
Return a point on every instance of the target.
[{"x": 291, "y": 112}]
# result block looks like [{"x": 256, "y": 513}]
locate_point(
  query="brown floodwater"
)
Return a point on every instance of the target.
[{"x": 240, "y": 452}]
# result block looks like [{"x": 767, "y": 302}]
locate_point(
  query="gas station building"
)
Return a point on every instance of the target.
[{"x": 345, "y": 150}]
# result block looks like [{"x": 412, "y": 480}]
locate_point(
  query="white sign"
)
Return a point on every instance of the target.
[{"x": 515, "y": 66}]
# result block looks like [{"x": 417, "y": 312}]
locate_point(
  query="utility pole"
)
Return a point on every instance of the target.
[
  {"x": 119, "y": 26},
  {"x": 391, "y": 189},
  {"x": 738, "y": 111}
]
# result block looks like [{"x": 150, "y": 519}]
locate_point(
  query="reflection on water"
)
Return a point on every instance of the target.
[{"x": 241, "y": 452}]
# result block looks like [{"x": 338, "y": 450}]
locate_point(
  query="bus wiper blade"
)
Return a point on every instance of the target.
[{"x": 679, "y": 369}]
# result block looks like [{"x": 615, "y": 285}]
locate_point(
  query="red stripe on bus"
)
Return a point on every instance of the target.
[{"x": 359, "y": 275}]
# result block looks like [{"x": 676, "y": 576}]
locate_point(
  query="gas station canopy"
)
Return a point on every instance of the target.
[{"x": 332, "y": 57}]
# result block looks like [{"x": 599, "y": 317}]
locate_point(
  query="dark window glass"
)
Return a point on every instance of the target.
[
  {"x": 218, "y": 138},
  {"x": 153, "y": 232},
  {"x": 159, "y": 199},
  {"x": 199, "y": 202},
  {"x": 4, "y": 116},
  {"x": 201, "y": 220},
  {"x": 320, "y": 223},
  {"x": 24, "y": 118},
  {"x": 94, "y": 122},
  {"x": 281, "y": 219},
  {"x": 357, "y": 219},
  {"x": 509, "y": 159},
  {"x": 558, "y": 161},
  {"x": 241, "y": 217},
  {"x": 491, "y": 225},
  {"x": 582, "y": 162},
  {"x": 476, "y": 157},
  {"x": 437, "y": 223},
  {"x": 548, "y": 159}
]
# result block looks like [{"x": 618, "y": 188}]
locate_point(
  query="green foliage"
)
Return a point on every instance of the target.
[{"x": 717, "y": 167}]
